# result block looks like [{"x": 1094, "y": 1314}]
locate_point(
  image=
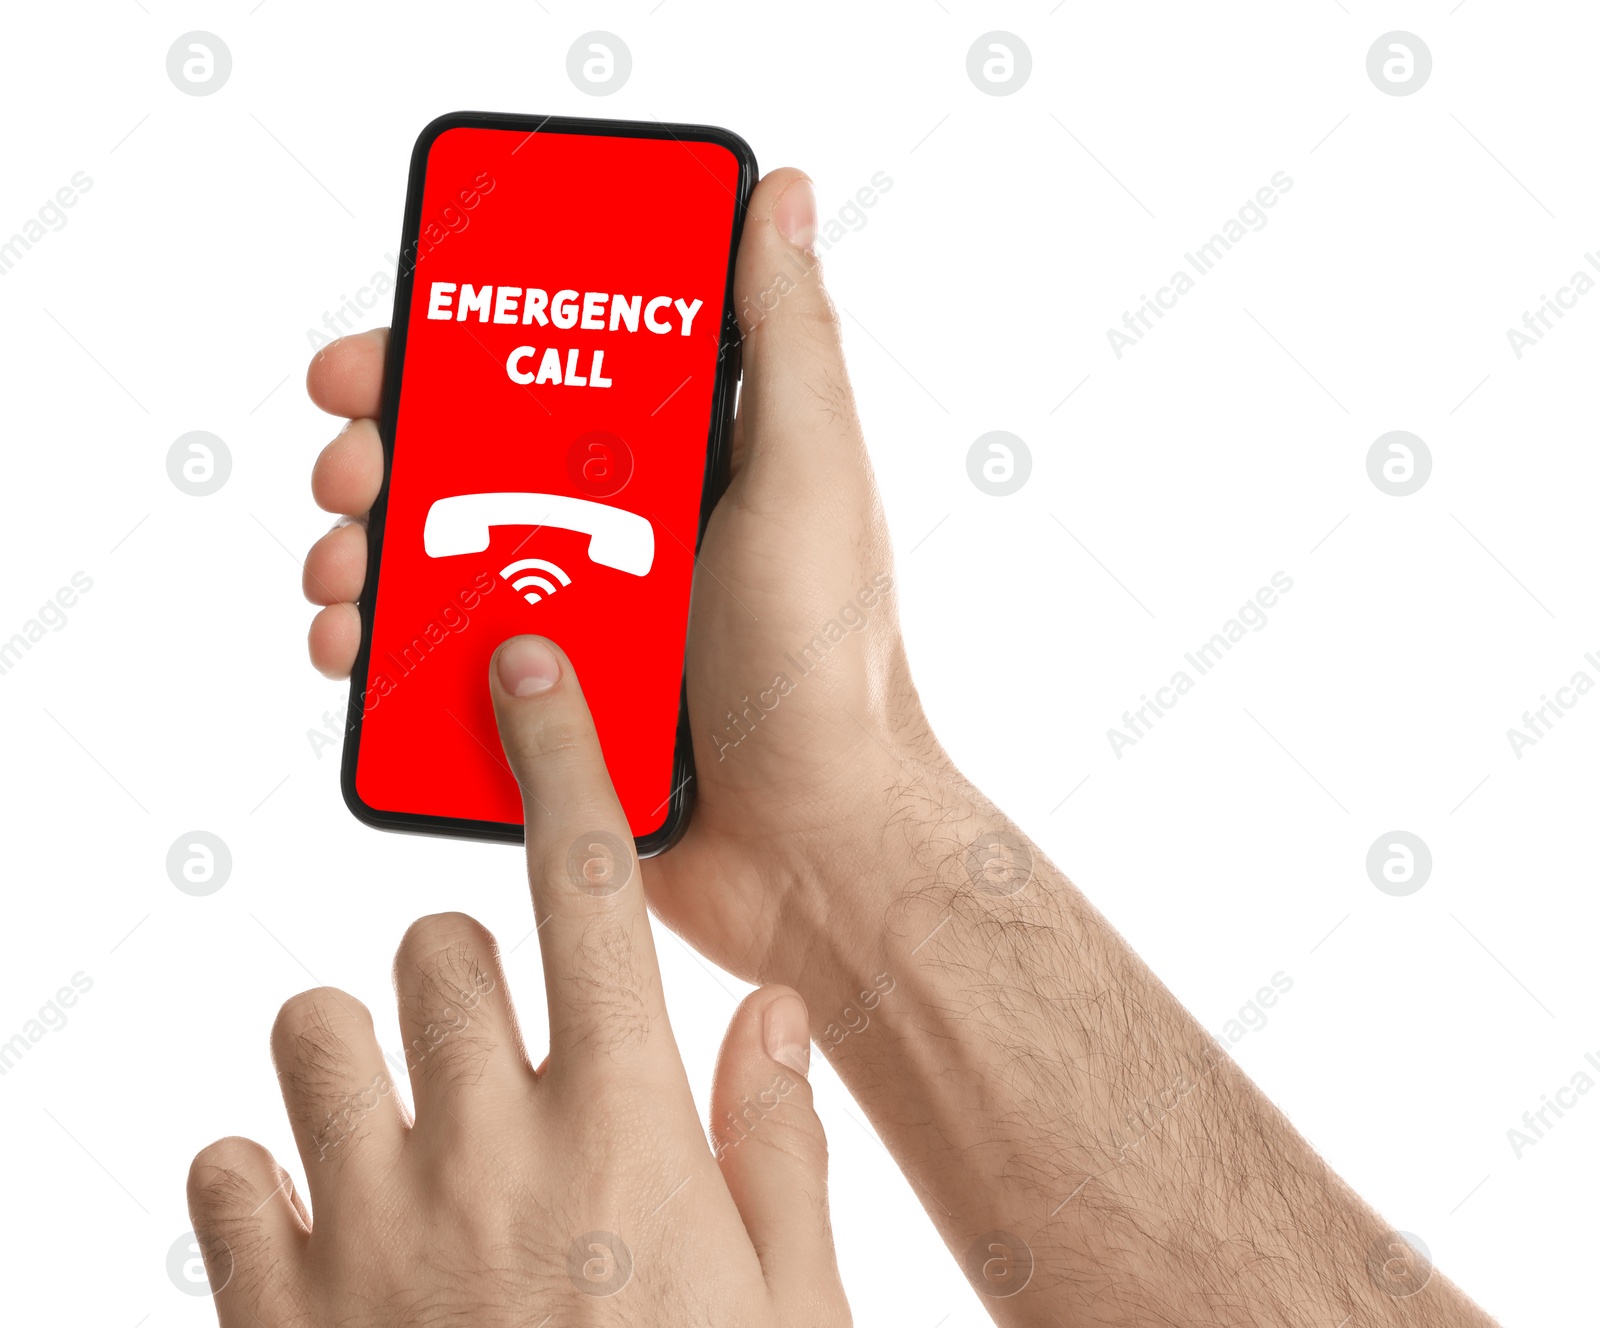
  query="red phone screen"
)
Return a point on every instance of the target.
[{"x": 549, "y": 453}]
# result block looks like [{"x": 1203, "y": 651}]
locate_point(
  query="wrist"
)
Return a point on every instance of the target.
[
  {"x": 862, "y": 898},
  {"x": 917, "y": 896}
]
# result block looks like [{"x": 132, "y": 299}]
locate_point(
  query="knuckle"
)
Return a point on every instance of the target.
[
  {"x": 608, "y": 991},
  {"x": 311, "y": 1036},
  {"x": 445, "y": 966},
  {"x": 442, "y": 939},
  {"x": 227, "y": 1175},
  {"x": 617, "y": 1137},
  {"x": 599, "y": 865},
  {"x": 560, "y": 735},
  {"x": 822, "y": 315},
  {"x": 229, "y": 1183},
  {"x": 779, "y": 1117},
  {"x": 443, "y": 971},
  {"x": 799, "y": 1134},
  {"x": 317, "y": 1011}
]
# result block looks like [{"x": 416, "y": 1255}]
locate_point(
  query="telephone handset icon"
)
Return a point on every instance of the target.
[{"x": 618, "y": 539}]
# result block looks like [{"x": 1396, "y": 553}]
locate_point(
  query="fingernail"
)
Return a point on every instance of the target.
[
  {"x": 786, "y": 1029},
  {"x": 527, "y": 666},
  {"x": 795, "y": 214}
]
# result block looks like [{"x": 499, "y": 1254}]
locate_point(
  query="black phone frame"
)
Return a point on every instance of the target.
[{"x": 718, "y": 444}]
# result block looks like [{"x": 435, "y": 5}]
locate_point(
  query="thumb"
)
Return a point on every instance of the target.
[
  {"x": 796, "y": 410},
  {"x": 770, "y": 1146}
]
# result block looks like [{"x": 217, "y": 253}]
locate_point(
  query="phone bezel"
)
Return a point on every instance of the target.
[{"x": 681, "y": 800}]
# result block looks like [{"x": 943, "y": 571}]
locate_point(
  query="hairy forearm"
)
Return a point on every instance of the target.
[{"x": 1063, "y": 1118}]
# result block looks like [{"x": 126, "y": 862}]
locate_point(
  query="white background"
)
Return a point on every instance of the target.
[{"x": 1165, "y": 491}]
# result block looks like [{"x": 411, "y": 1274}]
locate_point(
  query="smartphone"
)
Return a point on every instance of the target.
[{"x": 556, "y": 413}]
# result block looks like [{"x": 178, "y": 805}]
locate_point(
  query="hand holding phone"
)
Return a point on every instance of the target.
[{"x": 796, "y": 563}]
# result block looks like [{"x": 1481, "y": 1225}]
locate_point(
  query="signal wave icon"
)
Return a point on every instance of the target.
[{"x": 537, "y": 583}]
